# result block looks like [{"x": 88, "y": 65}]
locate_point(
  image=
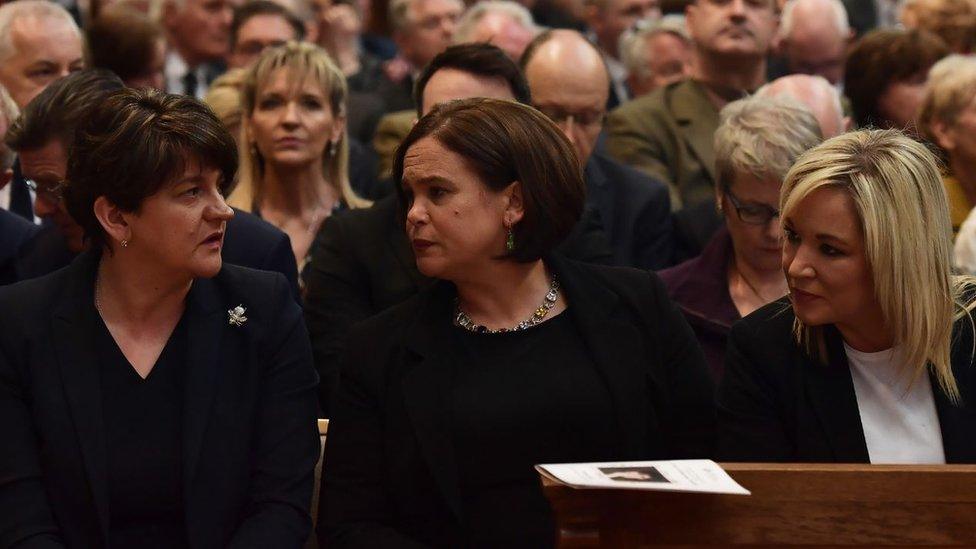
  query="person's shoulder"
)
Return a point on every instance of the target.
[
  {"x": 34, "y": 296},
  {"x": 772, "y": 322},
  {"x": 626, "y": 282},
  {"x": 263, "y": 289},
  {"x": 655, "y": 103},
  {"x": 363, "y": 222},
  {"x": 251, "y": 227},
  {"x": 634, "y": 181},
  {"x": 675, "y": 277}
]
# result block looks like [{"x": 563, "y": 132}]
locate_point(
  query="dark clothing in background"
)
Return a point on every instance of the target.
[
  {"x": 15, "y": 232},
  {"x": 700, "y": 287}
]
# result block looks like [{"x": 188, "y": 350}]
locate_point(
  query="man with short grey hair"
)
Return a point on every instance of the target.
[
  {"x": 813, "y": 38},
  {"x": 39, "y": 43},
  {"x": 198, "y": 32},
  {"x": 656, "y": 54}
]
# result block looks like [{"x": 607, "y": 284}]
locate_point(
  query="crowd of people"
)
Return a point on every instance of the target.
[{"x": 475, "y": 237}]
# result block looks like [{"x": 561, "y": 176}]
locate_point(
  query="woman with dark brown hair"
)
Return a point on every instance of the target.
[
  {"x": 150, "y": 395},
  {"x": 514, "y": 357}
]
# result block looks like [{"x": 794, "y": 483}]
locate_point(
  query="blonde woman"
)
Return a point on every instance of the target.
[
  {"x": 294, "y": 154},
  {"x": 871, "y": 358},
  {"x": 948, "y": 119}
]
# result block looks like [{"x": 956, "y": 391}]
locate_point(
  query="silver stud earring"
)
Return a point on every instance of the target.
[{"x": 333, "y": 148}]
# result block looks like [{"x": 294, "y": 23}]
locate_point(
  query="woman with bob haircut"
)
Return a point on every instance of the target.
[
  {"x": 514, "y": 357},
  {"x": 150, "y": 395},
  {"x": 294, "y": 167},
  {"x": 870, "y": 360}
]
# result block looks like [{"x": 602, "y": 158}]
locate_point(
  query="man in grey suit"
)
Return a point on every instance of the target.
[{"x": 668, "y": 133}]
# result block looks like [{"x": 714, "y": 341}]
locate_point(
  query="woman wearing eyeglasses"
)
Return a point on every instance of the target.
[{"x": 739, "y": 270}]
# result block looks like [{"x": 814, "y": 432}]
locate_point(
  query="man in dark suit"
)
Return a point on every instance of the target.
[
  {"x": 39, "y": 137},
  {"x": 668, "y": 133},
  {"x": 198, "y": 32},
  {"x": 361, "y": 261},
  {"x": 569, "y": 83},
  {"x": 14, "y": 232}
]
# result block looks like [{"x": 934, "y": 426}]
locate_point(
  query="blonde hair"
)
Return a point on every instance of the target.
[
  {"x": 302, "y": 60},
  {"x": 896, "y": 188},
  {"x": 224, "y": 97},
  {"x": 762, "y": 136},
  {"x": 951, "y": 88}
]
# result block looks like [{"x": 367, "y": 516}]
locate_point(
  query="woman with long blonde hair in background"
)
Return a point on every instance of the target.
[
  {"x": 870, "y": 359},
  {"x": 294, "y": 155}
]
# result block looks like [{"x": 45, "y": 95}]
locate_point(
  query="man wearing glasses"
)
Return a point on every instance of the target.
[
  {"x": 569, "y": 83},
  {"x": 740, "y": 269}
]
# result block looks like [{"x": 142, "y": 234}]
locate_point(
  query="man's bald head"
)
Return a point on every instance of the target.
[
  {"x": 570, "y": 84},
  {"x": 815, "y": 93},
  {"x": 813, "y": 37}
]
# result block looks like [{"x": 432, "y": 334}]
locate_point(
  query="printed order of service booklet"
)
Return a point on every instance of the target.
[{"x": 689, "y": 475}]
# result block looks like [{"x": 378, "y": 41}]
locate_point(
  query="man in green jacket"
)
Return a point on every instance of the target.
[{"x": 668, "y": 134}]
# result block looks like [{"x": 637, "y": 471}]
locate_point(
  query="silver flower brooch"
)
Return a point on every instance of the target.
[{"x": 235, "y": 316}]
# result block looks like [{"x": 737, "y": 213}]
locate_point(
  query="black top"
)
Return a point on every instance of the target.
[
  {"x": 248, "y": 440},
  {"x": 391, "y": 475},
  {"x": 518, "y": 399},
  {"x": 143, "y": 432}
]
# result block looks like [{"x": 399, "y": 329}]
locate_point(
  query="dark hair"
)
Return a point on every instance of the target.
[
  {"x": 123, "y": 41},
  {"x": 133, "y": 143},
  {"x": 254, "y": 8},
  {"x": 883, "y": 58},
  {"x": 479, "y": 59},
  {"x": 57, "y": 111},
  {"x": 504, "y": 141}
]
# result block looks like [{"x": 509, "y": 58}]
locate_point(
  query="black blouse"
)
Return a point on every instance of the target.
[
  {"x": 143, "y": 421},
  {"x": 519, "y": 399}
]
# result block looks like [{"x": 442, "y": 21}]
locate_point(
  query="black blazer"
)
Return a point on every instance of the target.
[
  {"x": 15, "y": 231},
  {"x": 635, "y": 210},
  {"x": 776, "y": 404},
  {"x": 249, "y": 242},
  {"x": 250, "y": 440},
  {"x": 389, "y": 478},
  {"x": 362, "y": 264}
]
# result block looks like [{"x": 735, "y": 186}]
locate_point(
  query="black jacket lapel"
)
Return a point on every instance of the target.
[
  {"x": 616, "y": 348},
  {"x": 426, "y": 387},
  {"x": 206, "y": 321},
  {"x": 73, "y": 327},
  {"x": 831, "y": 391}
]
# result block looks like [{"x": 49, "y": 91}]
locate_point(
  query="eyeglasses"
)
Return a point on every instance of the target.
[
  {"x": 53, "y": 191},
  {"x": 585, "y": 118},
  {"x": 753, "y": 214}
]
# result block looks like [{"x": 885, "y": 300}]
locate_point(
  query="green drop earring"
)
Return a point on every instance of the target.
[{"x": 510, "y": 240}]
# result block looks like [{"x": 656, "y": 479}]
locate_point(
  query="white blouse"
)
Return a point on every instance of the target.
[{"x": 899, "y": 418}]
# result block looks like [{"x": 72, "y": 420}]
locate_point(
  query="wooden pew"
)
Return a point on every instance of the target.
[{"x": 810, "y": 505}]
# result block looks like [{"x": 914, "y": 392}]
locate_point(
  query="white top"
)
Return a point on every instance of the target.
[
  {"x": 900, "y": 422},
  {"x": 964, "y": 249}
]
